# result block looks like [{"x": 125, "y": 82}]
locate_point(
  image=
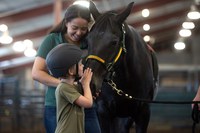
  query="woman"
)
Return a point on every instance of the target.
[{"x": 72, "y": 29}]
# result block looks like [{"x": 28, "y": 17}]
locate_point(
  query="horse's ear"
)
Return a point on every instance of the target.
[
  {"x": 124, "y": 14},
  {"x": 95, "y": 13}
]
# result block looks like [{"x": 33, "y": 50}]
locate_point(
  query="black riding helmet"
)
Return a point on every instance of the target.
[{"x": 61, "y": 58}]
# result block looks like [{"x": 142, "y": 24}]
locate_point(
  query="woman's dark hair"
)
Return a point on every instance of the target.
[{"x": 73, "y": 11}]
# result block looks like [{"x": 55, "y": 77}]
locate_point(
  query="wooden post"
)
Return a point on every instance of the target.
[{"x": 57, "y": 11}]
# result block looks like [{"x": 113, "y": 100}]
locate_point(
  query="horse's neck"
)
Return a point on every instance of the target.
[{"x": 136, "y": 54}]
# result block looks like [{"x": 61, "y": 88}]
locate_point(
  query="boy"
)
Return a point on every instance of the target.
[{"x": 64, "y": 62}]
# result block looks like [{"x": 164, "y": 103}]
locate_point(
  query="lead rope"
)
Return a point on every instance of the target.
[
  {"x": 195, "y": 110},
  {"x": 123, "y": 39}
]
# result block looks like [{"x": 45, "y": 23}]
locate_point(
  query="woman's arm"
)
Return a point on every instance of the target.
[
  {"x": 40, "y": 73},
  {"x": 197, "y": 97}
]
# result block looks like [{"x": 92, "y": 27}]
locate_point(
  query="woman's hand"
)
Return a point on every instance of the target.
[{"x": 196, "y": 98}]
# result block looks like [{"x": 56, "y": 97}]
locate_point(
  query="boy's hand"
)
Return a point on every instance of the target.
[{"x": 87, "y": 76}]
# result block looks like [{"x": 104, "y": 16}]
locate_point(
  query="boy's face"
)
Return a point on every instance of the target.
[{"x": 80, "y": 68}]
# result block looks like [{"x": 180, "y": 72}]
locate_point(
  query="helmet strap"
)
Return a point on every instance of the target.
[{"x": 77, "y": 75}]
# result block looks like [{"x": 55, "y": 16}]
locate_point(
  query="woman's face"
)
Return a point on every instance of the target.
[{"x": 76, "y": 29}]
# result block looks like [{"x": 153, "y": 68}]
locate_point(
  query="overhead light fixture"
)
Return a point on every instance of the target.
[
  {"x": 188, "y": 25},
  {"x": 146, "y": 38},
  {"x": 84, "y": 3},
  {"x": 19, "y": 46},
  {"x": 3, "y": 27},
  {"x": 145, "y": 13},
  {"x": 5, "y": 38},
  {"x": 146, "y": 27},
  {"x": 193, "y": 14},
  {"x": 28, "y": 43},
  {"x": 25, "y": 46},
  {"x": 185, "y": 33},
  {"x": 30, "y": 52},
  {"x": 179, "y": 45}
]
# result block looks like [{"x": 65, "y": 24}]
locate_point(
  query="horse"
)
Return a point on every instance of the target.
[{"x": 123, "y": 67}]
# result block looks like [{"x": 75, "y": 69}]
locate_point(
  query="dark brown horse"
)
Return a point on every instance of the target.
[{"x": 123, "y": 67}]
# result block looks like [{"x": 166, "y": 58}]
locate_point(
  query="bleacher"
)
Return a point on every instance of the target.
[{"x": 21, "y": 110}]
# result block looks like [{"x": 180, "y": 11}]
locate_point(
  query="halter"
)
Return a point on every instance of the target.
[{"x": 109, "y": 66}]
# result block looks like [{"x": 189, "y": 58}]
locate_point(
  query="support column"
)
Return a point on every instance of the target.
[
  {"x": 196, "y": 50},
  {"x": 196, "y": 59},
  {"x": 57, "y": 11}
]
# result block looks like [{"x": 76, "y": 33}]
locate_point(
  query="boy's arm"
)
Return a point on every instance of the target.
[{"x": 85, "y": 100}]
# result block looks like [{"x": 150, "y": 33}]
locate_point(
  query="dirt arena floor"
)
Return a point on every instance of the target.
[
  {"x": 172, "y": 127},
  {"x": 153, "y": 128}
]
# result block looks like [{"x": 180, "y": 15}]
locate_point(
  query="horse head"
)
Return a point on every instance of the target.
[{"x": 105, "y": 42}]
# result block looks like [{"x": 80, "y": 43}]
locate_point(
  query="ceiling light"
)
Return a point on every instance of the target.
[
  {"x": 146, "y": 38},
  {"x": 5, "y": 38},
  {"x": 19, "y": 46},
  {"x": 185, "y": 33},
  {"x": 3, "y": 27},
  {"x": 146, "y": 27},
  {"x": 84, "y": 3},
  {"x": 145, "y": 12},
  {"x": 188, "y": 25},
  {"x": 28, "y": 43},
  {"x": 179, "y": 45},
  {"x": 30, "y": 52},
  {"x": 193, "y": 14}
]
